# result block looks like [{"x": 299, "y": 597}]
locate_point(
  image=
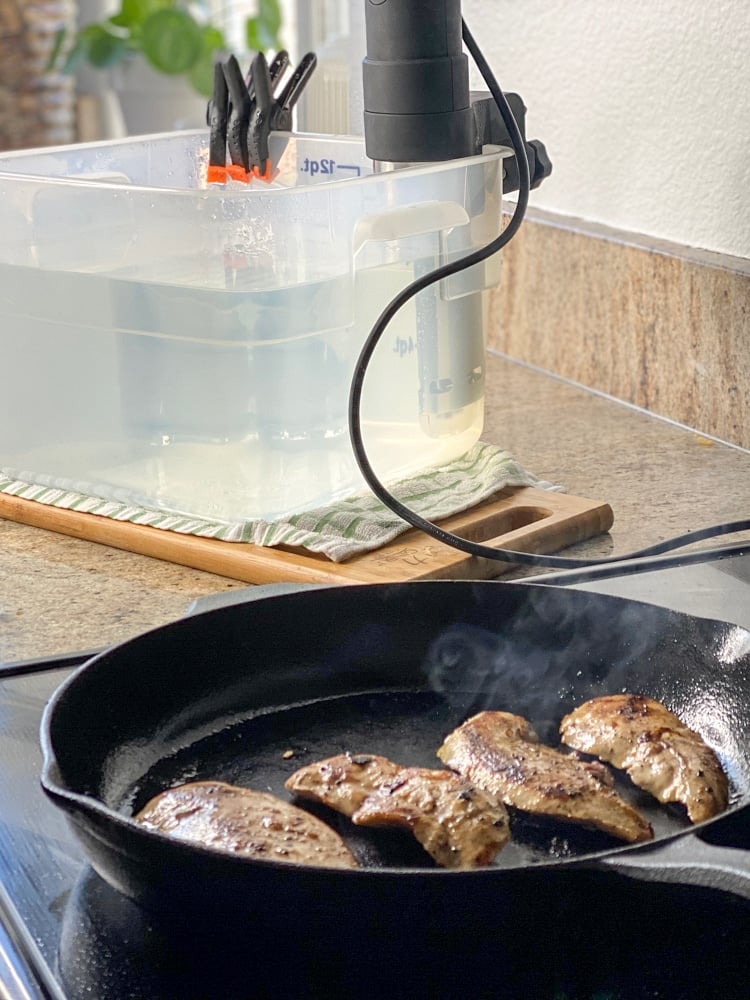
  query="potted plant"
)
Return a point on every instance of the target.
[{"x": 159, "y": 48}]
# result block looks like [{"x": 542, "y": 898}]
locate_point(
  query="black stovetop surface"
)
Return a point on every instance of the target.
[{"x": 67, "y": 935}]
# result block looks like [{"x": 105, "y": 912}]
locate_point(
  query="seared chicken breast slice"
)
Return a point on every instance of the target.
[
  {"x": 458, "y": 825},
  {"x": 659, "y": 753},
  {"x": 253, "y": 824},
  {"x": 342, "y": 782},
  {"x": 500, "y": 753}
]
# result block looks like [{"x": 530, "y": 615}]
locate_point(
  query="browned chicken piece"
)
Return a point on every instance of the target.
[
  {"x": 500, "y": 753},
  {"x": 254, "y": 824},
  {"x": 658, "y": 751},
  {"x": 459, "y": 826},
  {"x": 342, "y": 782}
]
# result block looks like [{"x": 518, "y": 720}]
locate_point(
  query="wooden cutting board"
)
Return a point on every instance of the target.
[{"x": 521, "y": 518}]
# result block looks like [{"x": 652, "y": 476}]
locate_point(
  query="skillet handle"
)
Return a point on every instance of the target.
[{"x": 687, "y": 860}]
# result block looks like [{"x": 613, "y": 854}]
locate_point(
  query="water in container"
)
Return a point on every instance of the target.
[{"x": 192, "y": 349}]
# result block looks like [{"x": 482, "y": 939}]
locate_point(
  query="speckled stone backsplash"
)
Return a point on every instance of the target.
[{"x": 664, "y": 327}]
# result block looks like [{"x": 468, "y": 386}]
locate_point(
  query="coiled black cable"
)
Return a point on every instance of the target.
[{"x": 645, "y": 555}]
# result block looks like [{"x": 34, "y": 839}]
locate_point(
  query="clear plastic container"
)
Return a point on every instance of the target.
[{"x": 191, "y": 349}]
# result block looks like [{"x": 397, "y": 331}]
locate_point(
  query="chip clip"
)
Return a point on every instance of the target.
[
  {"x": 218, "y": 112},
  {"x": 243, "y": 112}
]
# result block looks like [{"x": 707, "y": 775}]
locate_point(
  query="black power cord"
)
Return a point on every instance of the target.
[{"x": 640, "y": 560}]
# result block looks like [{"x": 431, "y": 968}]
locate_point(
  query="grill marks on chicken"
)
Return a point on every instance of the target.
[
  {"x": 252, "y": 824},
  {"x": 500, "y": 753},
  {"x": 660, "y": 753},
  {"x": 458, "y": 825}
]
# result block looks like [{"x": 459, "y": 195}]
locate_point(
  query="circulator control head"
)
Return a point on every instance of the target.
[{"x": 417, "y": 106}]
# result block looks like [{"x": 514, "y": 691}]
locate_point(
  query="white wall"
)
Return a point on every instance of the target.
[{"x": 644, "y": 106}]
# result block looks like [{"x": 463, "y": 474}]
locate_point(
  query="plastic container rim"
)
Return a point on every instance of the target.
[{"x": 489, "y": 153}]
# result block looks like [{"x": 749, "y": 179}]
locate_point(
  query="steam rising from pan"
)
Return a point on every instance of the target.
[{"x": 538, "y": 662}]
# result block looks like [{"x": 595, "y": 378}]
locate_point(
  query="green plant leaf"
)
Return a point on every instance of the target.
[
  {"x": 269, "y": 15},
  {"x": 171, "y": 40},
  {"x": 131, "y": 12},
  {"x": 77, "y": 53},
  {"x": 262, "y": 31},
  {"x": 252, "y": 38},
  {"x": 60, "y": 36},
  {"x": 259, "y": 38},
  {"x": 212, "y": 40},
  {"x": 201, "y": 75},
  {"x": 268, "y": 40},
  {"x": 104, "y": 48}
]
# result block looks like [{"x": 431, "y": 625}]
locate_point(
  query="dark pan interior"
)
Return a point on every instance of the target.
[{"x": 249, "y": 693}]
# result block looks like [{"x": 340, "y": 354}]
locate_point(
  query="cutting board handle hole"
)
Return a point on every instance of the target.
[{"x": 504, "y": 521}]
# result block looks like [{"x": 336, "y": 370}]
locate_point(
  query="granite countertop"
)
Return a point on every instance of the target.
[{"x": 60, "y": 594}]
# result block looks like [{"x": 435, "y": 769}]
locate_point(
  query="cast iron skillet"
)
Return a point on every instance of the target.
[{"x": 391, "y": 669}]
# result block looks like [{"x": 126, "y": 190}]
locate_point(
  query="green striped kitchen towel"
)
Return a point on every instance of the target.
[{"x": 340, "y": 530}]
